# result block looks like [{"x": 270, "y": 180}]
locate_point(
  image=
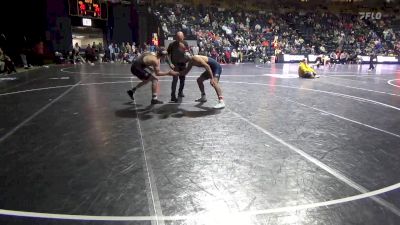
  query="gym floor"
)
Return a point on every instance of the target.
[{"x": 76, "y": 150}]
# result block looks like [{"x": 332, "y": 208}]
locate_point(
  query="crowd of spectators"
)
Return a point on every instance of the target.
[
  {"x": 237, "y": 35},
  {"x": 228, "y": 35},
  {"x": 26, "y": 53},
  {"x": 6, "y": 64},
  {"x": 123, "y": 52},
  {"x": 337, "y": 32},
  {"x": 389, "y": 28},
  {"x": 232, "y": 36},
  {"x": 29, "y": 56}
]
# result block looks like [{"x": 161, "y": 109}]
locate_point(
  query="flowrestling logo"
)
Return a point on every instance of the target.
[{"x": 370, "y": 15}]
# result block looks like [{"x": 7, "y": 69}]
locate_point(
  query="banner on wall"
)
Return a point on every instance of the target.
[
  {"x": 292, "y": 58},
  {"x": 364, "y": 58},
  {"x": 391, "y": 59}
]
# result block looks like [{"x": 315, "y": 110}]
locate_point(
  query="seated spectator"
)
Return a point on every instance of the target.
[
  {"x": 234, "y": 56},
  {"x": 319, "y": 61},
  {"x": 227, "y": 56},
  {"x": 305, "y": 70},
  {"x": 2, "y": 61},
  {"x": 333, "y": 58},
  {"x": 71, "y": 57},
  {"x": 6, "y": 64},
  {"x": 343, "y": 57},
  {"x": 59, "y": 58},
  {"x": 327, "y": 60}
]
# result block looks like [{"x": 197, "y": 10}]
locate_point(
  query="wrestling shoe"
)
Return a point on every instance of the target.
[
  {"x": 220, "y": 105},
  {"x": 130, "y": 93},
  {"x": 174, "y": 99},
  {"x": 202, "y": 99},
  {"x": 156, "y": 101}
]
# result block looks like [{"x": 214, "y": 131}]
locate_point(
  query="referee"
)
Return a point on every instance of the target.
[
  {"x": 372, "y": 56},
  {"x": 176, "y": 60}
]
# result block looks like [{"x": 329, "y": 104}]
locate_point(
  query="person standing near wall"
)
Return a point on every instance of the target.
[
  {"x": 371, "y": 61},
  {"x": 176, "y": 60},
  {"x": 24, "y": 52},
  {"x": 39, "y": 53}
]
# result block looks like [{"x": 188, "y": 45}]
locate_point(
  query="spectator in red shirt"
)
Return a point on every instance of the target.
[
  {"x": 265, "y": 43},
  {"x": 228, "y": 56},
  {"x": 82, "y": 8}
]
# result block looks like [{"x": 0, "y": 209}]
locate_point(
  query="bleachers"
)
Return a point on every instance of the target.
[{"x": 294, "y": 32}]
